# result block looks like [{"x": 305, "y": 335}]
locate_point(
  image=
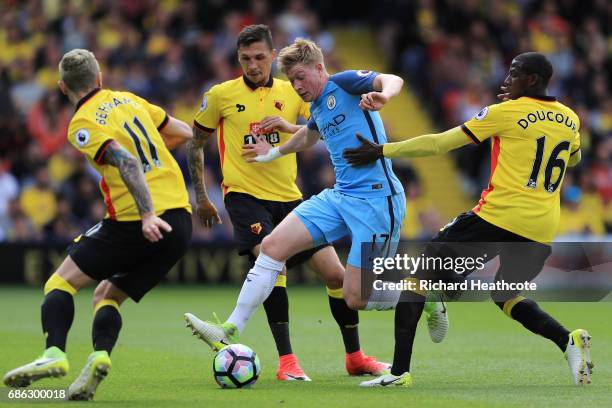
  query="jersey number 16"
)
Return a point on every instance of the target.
[{"x": 553, "y": 162}]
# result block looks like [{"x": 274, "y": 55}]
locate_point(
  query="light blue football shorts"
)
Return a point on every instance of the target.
[{"x": 331, "y": 215}]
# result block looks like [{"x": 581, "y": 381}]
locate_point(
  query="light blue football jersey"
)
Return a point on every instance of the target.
[{"x": 336, "y": 115}]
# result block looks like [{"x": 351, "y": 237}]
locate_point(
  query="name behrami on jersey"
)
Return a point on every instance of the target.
[
  {"x": 103, "y": 116},
  {"x": 235, "y": 108},
  {"x": 532, "y": 140}
]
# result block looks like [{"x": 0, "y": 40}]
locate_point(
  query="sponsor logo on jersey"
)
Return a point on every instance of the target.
[
  {"x": 82, "y": 137},
  {"x": 482, "y": 114},
  {"x": 255, "y": 128},
  {"x": 204, "y": 104},
  {"x": 333, "y": 127}
]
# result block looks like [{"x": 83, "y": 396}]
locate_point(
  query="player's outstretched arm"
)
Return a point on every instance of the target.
[
  {"x": 425, "y": 145},
  {"x": 206, "y": 211},
  {"x": 175, "y": 133},
  {"x": 386, "y": 86},
  {"x": 279, "y": 124},
  {"x": 263, "y": 152},
  {"x": 132, "y": 175}
]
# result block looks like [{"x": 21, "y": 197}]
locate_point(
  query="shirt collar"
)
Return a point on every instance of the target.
[
  {"x": 327, "y": 89},
  {"x": 254, "y": 86},
  {"x": 543, "y": 98},
  {"x": 86, "y": 98}
]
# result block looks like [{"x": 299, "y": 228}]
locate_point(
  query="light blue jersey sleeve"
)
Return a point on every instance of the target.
[
  {"x": 355, "y": 82},
  {"x": 312, "y": 125}
]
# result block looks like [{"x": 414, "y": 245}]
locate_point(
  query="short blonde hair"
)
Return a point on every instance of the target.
[
  {"x": 78, "y": 69},
  {"x": 301, "y": 51}
]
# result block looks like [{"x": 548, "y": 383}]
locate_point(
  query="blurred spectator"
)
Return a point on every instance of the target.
[
  {"x": 38, "y": 200},
  {"x": 48, "y": 123},
  {"x": 64, "y": 226},
  {"x": 455, "y": 53},
  {"x": 9, "y": 190},
  {"x": 27, "y": 91},
  {"x": 581, "y": 214},
  {"x": 20, "y": 227},
  {"x": 601, "y": 171}
]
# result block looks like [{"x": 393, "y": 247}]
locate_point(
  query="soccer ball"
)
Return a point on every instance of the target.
[{"x": 236, "y": 366}]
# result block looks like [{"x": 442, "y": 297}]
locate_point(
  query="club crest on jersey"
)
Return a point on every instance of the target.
[
  {"x": 363, "y": 72},
  {"x": 279, "y": 105},
  {"x": 256, "y": 228},
  {"x": 482, "y": 114},
  {"x": 204, "y": 104},
  {"x": 82, "y": 137},
  {"x": 331, "y": 102}
]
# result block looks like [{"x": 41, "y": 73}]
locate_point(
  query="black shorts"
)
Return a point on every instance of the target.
[
  {"x": 254, "y": 218},
  {"x": 119, "y": 252},
  {"x": 520, "y": 258}
]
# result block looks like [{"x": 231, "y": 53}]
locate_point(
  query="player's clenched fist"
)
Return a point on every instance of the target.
[
  {"x": 152, "y": 227},
  {"x": 207, "y": 213},
  {"x": 373, "y": 101}
]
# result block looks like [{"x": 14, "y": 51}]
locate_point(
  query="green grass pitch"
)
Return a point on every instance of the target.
[{"x": 486, "y": 360}]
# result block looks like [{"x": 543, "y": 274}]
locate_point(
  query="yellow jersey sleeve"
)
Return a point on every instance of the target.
[
  {"x": 89, "y": 139},
  {"x": 576, "y": 141},
  {"x": 490, "y": 121},
  {"x": 305, "y": 110},
  {"x": 207, "y": 117},
  {"x": 158, "y": 115}
]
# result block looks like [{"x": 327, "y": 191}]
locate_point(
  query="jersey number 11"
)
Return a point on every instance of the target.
[{"x": 146, "y": 165}]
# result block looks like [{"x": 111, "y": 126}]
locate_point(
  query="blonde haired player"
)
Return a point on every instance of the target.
[
  {"x": 258, "y": 196},
  {"x": 366, "y": 205},
  {"x": 147, "y": 227}
]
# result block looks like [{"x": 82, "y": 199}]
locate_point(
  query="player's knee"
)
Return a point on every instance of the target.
[
  {"x": 108, "y": 292},
  {"x": 270, "y": 246},
  {"x": 355, "y": 302},
  {"x": 334, "y": 280},
  {"x": 98, "y": 294}
]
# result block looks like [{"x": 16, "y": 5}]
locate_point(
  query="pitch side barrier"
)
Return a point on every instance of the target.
[
  {"x": 477, "y": 271},
  {"x": 33, "y": 263}
]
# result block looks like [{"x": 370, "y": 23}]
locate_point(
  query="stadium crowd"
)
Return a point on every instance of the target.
[
  {"x": 456, "y": 53},
  {"x": 171, "y": 51}
]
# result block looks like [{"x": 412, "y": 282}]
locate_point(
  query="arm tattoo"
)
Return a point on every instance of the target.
[
  {"x": 195, "y": 162},
  {"x": 132, "y": 175}
]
